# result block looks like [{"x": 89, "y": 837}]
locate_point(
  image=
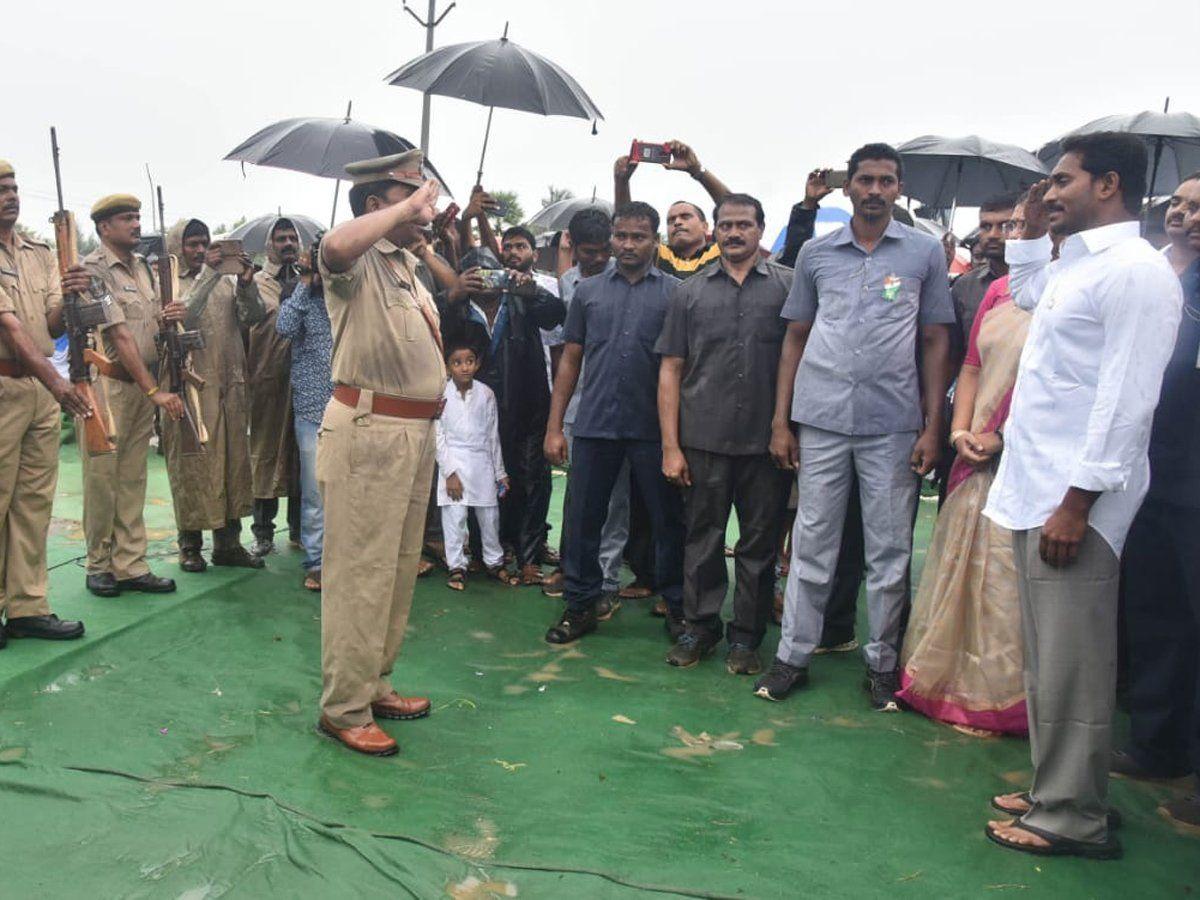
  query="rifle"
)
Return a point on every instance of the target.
[
  {"x": 176, "y": 344},
  {"x": 81, "y": 317}
]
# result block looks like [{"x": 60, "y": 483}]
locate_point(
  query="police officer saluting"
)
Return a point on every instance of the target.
[
  {"x": 30, "y": 391},
  {"x": 375, "y": 451}
]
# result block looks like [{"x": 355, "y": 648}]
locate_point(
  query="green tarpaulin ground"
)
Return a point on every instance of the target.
[{"x": 171, "y": 753}]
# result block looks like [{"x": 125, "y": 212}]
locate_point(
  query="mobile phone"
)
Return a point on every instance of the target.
[
  {"x": 643, "y": 151},
  {"x": 501, "y": 490},
  {"x": 495, "y": 279},
  {"x": 835, "y": 178},
  {"x": 230, "y": 251}
]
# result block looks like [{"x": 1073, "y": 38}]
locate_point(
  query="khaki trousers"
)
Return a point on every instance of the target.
[
  {"x": 114, "y": 487},
  {"x": 29, "y": 426},
  {"x": 1069, "y": 631},
  {"x": 375, "y": 473}
]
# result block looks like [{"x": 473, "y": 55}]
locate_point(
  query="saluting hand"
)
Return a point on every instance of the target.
[
  {"x": 421, "y": 206},
  {"x": 1037, "y": 221}
]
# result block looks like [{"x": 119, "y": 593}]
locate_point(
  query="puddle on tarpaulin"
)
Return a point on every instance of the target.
[
  {"x": 472, "y": 888},
  {"x": 73, "y": 679}
]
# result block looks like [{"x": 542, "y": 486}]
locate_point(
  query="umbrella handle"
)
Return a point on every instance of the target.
[{"x": 486, "y": 134}]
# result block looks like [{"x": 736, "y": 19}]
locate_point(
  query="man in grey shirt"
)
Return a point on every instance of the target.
[{"x": 849, "y": 375}]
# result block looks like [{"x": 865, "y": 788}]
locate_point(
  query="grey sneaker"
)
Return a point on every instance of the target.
[
  {"x": 690, "y": 648},
  {"x": 781, "y": 679},
  {"x": 882, "y": 687},
  {"x": 845, "y": 647},
  {"x": 742, "y": 659}
]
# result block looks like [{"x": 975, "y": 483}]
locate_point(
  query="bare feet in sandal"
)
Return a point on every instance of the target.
[
  {"x": 502, "y": 575},
  {"x": 457, "y": 580},
  {"x": 1015, "y": 804},
  {"x": 312, "y": 580},
  {"x": 425, "y": 566},
  {"x": 1009, "y": 831}
]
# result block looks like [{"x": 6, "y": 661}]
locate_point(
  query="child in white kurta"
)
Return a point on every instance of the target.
[{"x": 471, "y": 471}]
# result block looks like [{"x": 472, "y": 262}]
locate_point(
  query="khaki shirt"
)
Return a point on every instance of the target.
[
  {"x": 29, "y": 276},
  {"x": 135, "y": 300},
  {"x": 381, "y": 339}
]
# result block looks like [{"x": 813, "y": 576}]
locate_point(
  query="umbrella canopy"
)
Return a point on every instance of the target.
[
  {"x": 558, "y": 214},
  {"x": 323, "y": 147},
  {"x": 948, "y": 172},
  {"x": 253, "y": 234},
  {"x": 1172, "y": 139},
  {"x": 497, "y": 73}
]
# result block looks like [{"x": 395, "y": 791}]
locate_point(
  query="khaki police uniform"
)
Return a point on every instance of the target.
[
  {"x": 114, "y": 483},
  {"x": 29, "y": 426},
  {"x": 375, "y": 470},
  {"x": 211, "y": 488}
]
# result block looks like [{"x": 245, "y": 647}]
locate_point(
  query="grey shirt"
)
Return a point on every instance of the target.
[
  {"x": 858, "y": 374},
  {"x": 729, "y": 337},
  {"x": 967, "y": 293}
]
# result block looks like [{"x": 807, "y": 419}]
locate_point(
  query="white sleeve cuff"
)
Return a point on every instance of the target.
[
  {"x": 1039, "y": 250},
  {"x": 1099, "y": 476}
]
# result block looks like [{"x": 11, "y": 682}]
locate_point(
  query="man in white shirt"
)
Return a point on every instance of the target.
[{"x": 1074, "y": 471}]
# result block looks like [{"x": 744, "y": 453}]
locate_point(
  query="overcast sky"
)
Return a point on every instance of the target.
[{"x": 763, "y": 89}]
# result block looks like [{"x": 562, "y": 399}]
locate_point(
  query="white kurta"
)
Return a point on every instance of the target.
[{"x": 468, "y": 445}]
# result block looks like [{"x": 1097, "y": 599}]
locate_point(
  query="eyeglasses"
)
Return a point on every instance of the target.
[{"x": 1014, "y": 225}]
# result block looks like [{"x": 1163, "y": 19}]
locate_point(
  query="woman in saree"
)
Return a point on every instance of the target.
[{"x": 962, "y": 656}]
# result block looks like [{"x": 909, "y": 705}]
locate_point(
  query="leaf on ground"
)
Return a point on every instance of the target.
[
  {"x": 482, "y": 635},
  {"x": 686, "y": 753},
  {"x": 623, "y": 720},
  {"x": 481, "y": 845},
  {"x": 845, "y": 722},
  {"x": 509, "y": 766},
  {"x": 513, "y": 689},
  {"x": 611, "y": 675},
  {"x": 764, "y": 737},
  {"x": 472, "y": 888},
  {"x": 12, "y": 754}
]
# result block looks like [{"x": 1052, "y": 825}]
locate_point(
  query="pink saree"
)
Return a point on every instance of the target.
[{"x": 962, "y": 657}]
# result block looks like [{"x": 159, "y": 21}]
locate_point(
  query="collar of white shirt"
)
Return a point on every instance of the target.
[{"x": 1097, "y": 240}]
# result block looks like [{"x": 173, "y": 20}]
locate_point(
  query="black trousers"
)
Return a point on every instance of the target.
[
  {"x": 639, "y": 548},
  {"x": 1161, "y": 583},
  {"x": 758, "y": 490},
  {"x": 265, "y": 511},
  {"x": 523, "y": 509}
]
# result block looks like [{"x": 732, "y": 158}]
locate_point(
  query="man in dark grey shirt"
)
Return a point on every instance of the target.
[
  {"x": 861, "y": 298},
  {"x": 614, "y": 320},
  {"x": 968, "y": 289},
  {"x": 716, "y": 394}
]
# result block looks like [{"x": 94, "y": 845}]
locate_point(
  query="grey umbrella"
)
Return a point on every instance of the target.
[
  {"x": 323, "y": 147},
  {"x": 1173, "y": 140},
  {"x": 253, "y": 234},
  {"x": 497, "y": 73},
  {"x": 946, "y": 173},
  {"x": 558, "y": 215}
]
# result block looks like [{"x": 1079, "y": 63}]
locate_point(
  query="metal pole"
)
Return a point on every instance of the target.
[
  {"x": 486, "y": 134},
  {"x": 333, "y": 215},
  {"x": 429, "y": 23}
]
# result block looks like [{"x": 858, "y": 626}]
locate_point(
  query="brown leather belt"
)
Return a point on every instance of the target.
[
  {"x": 387, "y": 405},
  {"x": 13, "y": 368}
]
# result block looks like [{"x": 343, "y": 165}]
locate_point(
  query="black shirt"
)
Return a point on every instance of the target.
[
  {"x": 730, "y": 337},
  {"x": 1175, "y": 437}
]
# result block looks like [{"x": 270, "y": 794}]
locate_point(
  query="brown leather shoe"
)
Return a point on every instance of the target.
[
  {"x": 369, "y": 739},
  {"x": 394, "y": 706}
]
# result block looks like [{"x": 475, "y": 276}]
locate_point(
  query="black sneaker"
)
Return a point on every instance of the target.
[
  {"x": 573, "y": 625},
  {"x": 691, "y": 647},
  {"x": 883, "y": 687},
  {"x": 742, "y": 659},
  {"x": 781, "y": 679}
]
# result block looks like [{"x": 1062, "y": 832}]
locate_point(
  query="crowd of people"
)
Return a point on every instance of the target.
[{"x": 410, "y": 385}]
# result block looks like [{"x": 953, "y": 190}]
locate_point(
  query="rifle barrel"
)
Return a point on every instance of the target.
[{"x": 57, "y": 172}]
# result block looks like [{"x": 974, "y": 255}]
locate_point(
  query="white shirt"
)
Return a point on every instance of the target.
[
  {"x": 1104, "y": 323},
  {"x": 468, "y": 445}
]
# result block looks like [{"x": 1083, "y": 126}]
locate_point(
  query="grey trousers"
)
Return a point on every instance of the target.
[
  {"x": 758, "y": 490},
  {"x": 615, "y": 533},
  {"x": 888, "y": 493},
  {"x": 1069, "y": 629}
]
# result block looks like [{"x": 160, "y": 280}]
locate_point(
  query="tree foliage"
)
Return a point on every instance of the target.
[
  {"x": 514, "y": 212},
  {"x": 554, "y": 194}
]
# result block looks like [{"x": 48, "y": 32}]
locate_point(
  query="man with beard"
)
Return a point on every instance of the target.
[
  {"x": 269, "y": 358},
  {"x": 514, "y": 368},
  {"x": 968, "y": 290},
  {"x": 720, "y": 347},
  {"x": 114, "y": 483},
  {"x": 862, "y": 298},
  {"x": 30, "y": 318},
  {"x": 211, "y": 489},
  {"x": 1183, "y": 248}
]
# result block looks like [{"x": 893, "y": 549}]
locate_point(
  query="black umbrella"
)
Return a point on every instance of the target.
[
  {"x": 946, "y": 173},
  {"x": 323, "y": 147},
  {"x": 253, "y": 234},
  {"x": 558, "y": 214},
  {"x": 1172, "y": 139},
  {"x": 497, "y": 73}
]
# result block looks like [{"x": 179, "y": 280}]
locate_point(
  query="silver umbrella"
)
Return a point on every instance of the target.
[
  {"x": 254, "y": 234},
  {"x": 946, "y": 173},
  {"x": 323, "y": 147},
  {"x": 558, "y": 214},
  {"x": 1172, "y": 139},
  {"x": 497, "y": 73}
]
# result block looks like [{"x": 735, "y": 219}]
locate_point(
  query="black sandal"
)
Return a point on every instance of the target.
[
  {"x": 1058, "y": 846},
  {"x": 1114, "y": 815},
  {"x": 457, "y": 580}
]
